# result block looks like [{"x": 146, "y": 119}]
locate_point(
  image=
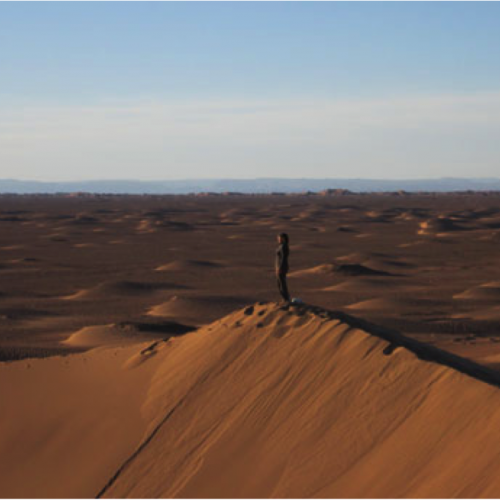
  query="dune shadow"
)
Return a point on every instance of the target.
[
  {"x": 423, "y": 351},
  {"x": 171, "y": 328}
]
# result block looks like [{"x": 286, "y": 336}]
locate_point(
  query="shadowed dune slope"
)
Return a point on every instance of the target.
[
  {"x": 305, "y": 403},
  {"x": 122, "y": 334},
  {"x": 440, "y": 225}
]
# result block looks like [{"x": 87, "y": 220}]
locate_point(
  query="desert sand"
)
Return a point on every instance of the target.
[{"x": 143, "y": 353}]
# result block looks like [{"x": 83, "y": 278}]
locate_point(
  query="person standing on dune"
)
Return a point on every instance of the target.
[{"x": 282, "y": 266}]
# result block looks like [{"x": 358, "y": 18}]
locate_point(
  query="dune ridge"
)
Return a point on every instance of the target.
[
  {"x": 308, "y": 402},
  {"x": 268, "y": 401}
]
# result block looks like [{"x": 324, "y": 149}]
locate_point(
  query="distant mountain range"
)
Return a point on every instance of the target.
[{"x": 260, "y": 185}]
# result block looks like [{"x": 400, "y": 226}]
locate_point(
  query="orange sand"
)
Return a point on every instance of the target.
[{"x": 265, "y": 402}]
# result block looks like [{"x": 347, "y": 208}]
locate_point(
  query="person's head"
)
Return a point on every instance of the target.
[{"x": 283, "y": 238}]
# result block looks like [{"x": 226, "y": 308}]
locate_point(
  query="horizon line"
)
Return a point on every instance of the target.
[{"x": 237, "y": 179}]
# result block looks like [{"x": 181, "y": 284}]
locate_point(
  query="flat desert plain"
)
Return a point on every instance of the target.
[{"x": 143, "y": 352}]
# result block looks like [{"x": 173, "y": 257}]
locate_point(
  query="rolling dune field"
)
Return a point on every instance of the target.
[{"x": 143, "y": 352}]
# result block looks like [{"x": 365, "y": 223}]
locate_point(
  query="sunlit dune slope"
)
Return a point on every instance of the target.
[
  {"x": 67, "y": 422},
  {"x": 274, "y": 403}
]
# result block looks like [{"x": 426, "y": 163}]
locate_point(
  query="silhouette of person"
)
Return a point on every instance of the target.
[{"x": 282, "y": 266}]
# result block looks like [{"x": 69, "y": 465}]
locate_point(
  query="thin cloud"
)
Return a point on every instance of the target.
[{"x": 411, "y": 137}]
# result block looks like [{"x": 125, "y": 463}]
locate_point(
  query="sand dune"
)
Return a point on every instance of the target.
[
  {"x": 491, "y": 222},
  {"x": 236, "y": 213},
  {"x": 488, "y": 291},
  {"x": 362, "y": 284},
  {"x": 76, "y": 260},
  {"x": 388, "y": 264},
  {"x": 197, "y": 310},
  {"x": 482, "y": 314},
  {"x": 355, "y": 257},
  {"x": 341, "y": 270},
  {"x": 411, "y": 244},
  {"x": 146, "y": 226},
  {"x": 23, "y": 260},
  {"x": 378, "y": 261},
  {"x": 109, "y": 271},
  {"x": 67, "y": 436},
  {"x": 9, "y": 248},
  {"x": 310, "y": 215},
  {"x": 312, "y": 406},
  {"x": 491, "y": 284},
  {"x": 122, "y": 334},
  {"x": 412, "y": 214},
  {"x": 125, "y": 333},
  {"x": 23, "y": 313},
  {"x": 153, "y": 225},
  {"x": 381, "y": 304},
  {"x": 321, "y": 269},
  {"x": 189, "y": 265},
  {"x": 83, "y": 219},
  {"x": 345, "y": 229},
  {"x": 99, "y": 335},
  {"x": 122, "y": 288},
  {"x": 357, "y": 285},
  {"x": 275, "y": 403},
  {"x": 440, "y": 226},
  {"x": 375, "y": 216}
]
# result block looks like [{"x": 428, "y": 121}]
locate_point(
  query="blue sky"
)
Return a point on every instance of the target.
[{"x": 180, "y": 90}]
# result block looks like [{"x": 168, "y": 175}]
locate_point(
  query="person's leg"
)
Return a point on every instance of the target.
[
  {"x": 282, "y": 286},
  {"x": 286, "y": 295}
]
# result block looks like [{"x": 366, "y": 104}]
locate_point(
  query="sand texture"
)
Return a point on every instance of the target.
[
  {"x": 265, "y": 402},
  {"x": 143, "y": 354},
  {"x": 145, "y": 267}
]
